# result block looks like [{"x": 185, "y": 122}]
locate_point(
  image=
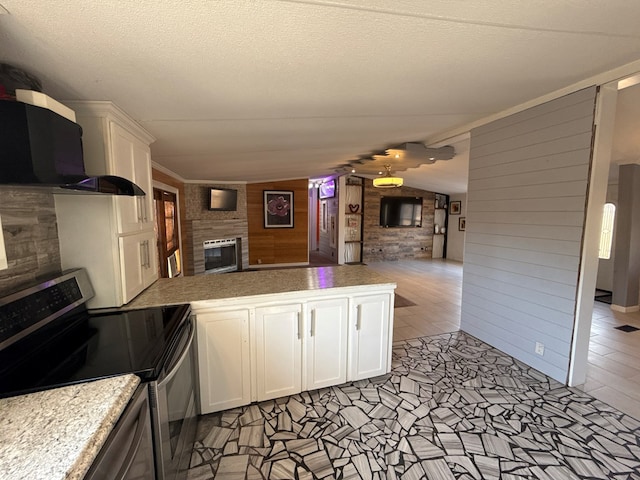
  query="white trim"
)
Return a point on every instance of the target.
[
  {"x": 612, "y": 76},
  {"x": 279, "y": 265},
  {"x": 597, "y": 192},
  {"x": 219, "y": 182},
  {"x": 166, "y": 171},
  {"x": 631, "y": 309},
  {"x": 174, "y": 190},
  {"x": 112, "y": 111}
]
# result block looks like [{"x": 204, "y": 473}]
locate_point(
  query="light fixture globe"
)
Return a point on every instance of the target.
[{"x": 388, "y": 181}]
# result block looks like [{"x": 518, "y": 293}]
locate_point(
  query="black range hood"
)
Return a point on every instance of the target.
[{"x": 40, "y": 147}]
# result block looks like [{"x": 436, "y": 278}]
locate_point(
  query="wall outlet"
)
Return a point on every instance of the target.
[{"x": 539, "y": 348}]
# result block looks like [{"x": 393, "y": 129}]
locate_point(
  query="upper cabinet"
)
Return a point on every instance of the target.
[
  {"x": 111, "y": 236},
  {"x": 114, "y": 144}
]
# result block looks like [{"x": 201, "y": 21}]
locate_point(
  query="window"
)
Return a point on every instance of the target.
[{"x": 606, "y": 235}]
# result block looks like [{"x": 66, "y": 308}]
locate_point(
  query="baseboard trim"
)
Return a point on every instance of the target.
[
  {"x": 278, "y": 265},
  {"x": 631, "y": 309}
]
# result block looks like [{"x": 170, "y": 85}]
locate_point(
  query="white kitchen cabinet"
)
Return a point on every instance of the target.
[
  {"x": 267, "y": 346},
  {"x": 370, "y": 342},
  {"x": 111, "y": 236},
  {"x": 326, "y": 343},
  {"x": 279, "y": 333},
  {"x": 138, "y": 263},
  {"x": 114, "y": 144},
  {"x": 223, "y": 359},
  {"x": 132, "y": 160}
]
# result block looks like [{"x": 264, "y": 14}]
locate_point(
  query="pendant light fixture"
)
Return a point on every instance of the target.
[{"x": 388, "y": 180}]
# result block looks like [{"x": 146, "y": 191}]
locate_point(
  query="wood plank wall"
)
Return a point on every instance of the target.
[
  {"x": 528, "y": 180},
  {"x": 278, "y": 245},
  {"x": 162, "y": 177}
]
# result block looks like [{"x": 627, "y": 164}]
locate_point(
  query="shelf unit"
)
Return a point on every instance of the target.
[
  {"x": 440, "y": 220},
  {"x": 354, "y": 204}
]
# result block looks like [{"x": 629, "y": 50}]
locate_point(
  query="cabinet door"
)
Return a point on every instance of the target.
[
  {"x": 326, "y": 343},
  {"x": 223, "y": 359},
  {"x": 278, "y": 351},
  {"x": 138, "y": 263},
  {"x": 369, "y": 329},
  {"x": 131, "y": 159},
  {"x": 150, "y": 265}
]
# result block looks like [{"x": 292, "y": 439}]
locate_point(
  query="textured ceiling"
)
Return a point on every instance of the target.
[{"x": 239, "y": 90}]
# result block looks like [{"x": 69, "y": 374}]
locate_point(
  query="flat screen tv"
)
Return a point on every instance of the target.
[
  {"x": 401, "y": 212},
  {"x": 224, "y": 199},
  {"x": 328, "y": 189}
]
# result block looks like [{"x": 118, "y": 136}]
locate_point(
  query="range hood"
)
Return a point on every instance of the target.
[{"x": 40, "y": 147}]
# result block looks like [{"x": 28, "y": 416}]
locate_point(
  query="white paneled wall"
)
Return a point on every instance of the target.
[{"x": 528, "y": 180}]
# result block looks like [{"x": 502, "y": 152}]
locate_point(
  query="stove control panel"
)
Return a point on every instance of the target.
[{"x": 24, "y": 312}]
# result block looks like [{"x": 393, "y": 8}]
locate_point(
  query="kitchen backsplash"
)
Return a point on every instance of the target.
[{"x": 30, "y": 237}]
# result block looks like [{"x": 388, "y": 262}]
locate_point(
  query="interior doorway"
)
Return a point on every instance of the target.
[{"x": 167, "y": 233}]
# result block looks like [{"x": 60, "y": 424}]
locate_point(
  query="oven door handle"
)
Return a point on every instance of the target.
[
  {"x": 135, "y": 444},
  {"x": 175, "y": 366}
]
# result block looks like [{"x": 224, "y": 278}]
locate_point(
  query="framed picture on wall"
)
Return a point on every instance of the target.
[
  {"x": 278, "y": 209},
  {"x": 462, "y": 224},
  {"x": 455, "y": 208}
]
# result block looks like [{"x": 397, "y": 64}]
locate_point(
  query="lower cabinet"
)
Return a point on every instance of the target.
[
  {"x": 326, "y": 345},
  {"x": 138, "y": 263},
  {"x": 278, "y": 351},
  {"x": 223, "y": 359},
  {"x": 261, "y": 350},
  {"x": 370, "y": 345}
]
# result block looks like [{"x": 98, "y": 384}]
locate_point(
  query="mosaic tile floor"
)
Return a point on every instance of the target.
[{"x": 452, "y": 408}]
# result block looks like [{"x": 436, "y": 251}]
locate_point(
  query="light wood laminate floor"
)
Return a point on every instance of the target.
[{"x": 613, "y": 374}]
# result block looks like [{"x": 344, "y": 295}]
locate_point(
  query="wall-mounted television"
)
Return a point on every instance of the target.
[
  {"x": 223, "y": 199},
  {"x": 401, "y": 212},
  {"x": 327, "y": 189}
]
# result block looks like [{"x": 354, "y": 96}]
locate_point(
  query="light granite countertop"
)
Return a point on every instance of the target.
[
  {"x": 56, "y": 434},
  {"x": 172, "y": 291}
]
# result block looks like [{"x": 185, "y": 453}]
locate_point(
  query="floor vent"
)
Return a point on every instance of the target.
[{"x": 627, "y": 328}]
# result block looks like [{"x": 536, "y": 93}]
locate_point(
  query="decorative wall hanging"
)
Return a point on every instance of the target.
[
  {"x": 462, "y": 224},
  {"x": 455, "y": 208},
  {"x": 324, "y": 216},
  {"x": 278, "y": 209}
]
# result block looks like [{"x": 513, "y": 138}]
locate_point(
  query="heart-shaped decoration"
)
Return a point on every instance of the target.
[{"x": 354, "y": 208}]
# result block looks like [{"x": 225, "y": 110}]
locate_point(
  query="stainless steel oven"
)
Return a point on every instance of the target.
[
  {"x": 48, "y": 338},
  {"x": 173, "y": 407}
]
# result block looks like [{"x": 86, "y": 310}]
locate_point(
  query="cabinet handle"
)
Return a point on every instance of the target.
[
  {"x": 148, "y": 254},
  {"x": 299, "y": 326},
  {"x": 139, "y": 209},
  {"x": 358, "y": 319},
  {"x": 142, "y": 254},
  {"x": 145, "y": 213},
  {"x": 313, "y": 323},
  {"x": 145, "y": 254}
]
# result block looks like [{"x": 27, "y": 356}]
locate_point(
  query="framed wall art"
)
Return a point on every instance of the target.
[
  {"x": 455, "y": 208},
  {"x": 462, "y": 224},
  {"x": 278, "y": 209}
]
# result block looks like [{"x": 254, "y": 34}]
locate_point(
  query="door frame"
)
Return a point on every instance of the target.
[{"x": 176, "y": 192}]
